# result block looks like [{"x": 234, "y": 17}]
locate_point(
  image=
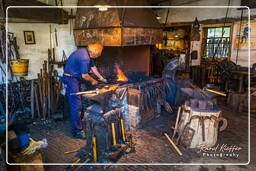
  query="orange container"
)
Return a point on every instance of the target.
[{"x": 19, "y": 67}]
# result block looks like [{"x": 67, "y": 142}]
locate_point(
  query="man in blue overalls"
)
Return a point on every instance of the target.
[{"x": 77, "y": 67}]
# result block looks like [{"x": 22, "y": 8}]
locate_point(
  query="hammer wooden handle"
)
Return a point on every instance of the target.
[{"x": 172, "y": 143}]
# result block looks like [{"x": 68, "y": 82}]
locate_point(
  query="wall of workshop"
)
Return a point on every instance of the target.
[
  {"x": 184, "y": 15},
  {"x": 188, "y": 14},
  {"x": 38, "y": 52},
  {"x": 242, "y": 55}
]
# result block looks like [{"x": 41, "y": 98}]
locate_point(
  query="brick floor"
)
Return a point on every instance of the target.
[{"x": 152, "y": 146}]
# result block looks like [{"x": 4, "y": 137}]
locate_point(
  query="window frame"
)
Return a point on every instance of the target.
[{"x": 204, "y": 40}]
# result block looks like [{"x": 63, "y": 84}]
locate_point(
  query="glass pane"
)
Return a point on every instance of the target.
[
  {"x": 226, "y": 32},
  {"x": 210, "y": 32},
  {"x": 218, "y": 32}
]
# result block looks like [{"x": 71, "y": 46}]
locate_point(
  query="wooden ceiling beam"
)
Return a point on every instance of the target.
[{"x": 27, "y": 15}]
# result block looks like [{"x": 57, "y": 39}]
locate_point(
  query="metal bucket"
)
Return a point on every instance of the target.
[{"x": 19, "y": 67}]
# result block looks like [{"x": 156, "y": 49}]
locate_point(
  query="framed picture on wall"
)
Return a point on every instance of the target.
[{"x": 29, "y": 37}]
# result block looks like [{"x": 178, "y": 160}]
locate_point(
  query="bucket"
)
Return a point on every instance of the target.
[
  {"x": 19, "y": 67},
  {"x": 24, "y": 139}
]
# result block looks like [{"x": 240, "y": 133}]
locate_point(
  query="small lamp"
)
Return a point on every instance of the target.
[
  {"x": 196, "y": 24},
  {"x": 102, "y": 5},
  {"x": 158, "y": 17}
]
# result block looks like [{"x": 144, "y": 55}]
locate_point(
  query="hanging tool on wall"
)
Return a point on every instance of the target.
[
  {"x": 71, "y": 21},
  {"x": 50, "y": 27},
  {"x": 56, "y": 37},
  {"x": 51, "y": 51},
  {"x": 53, "y": 56},
  {"x": 63, "y": 60}
]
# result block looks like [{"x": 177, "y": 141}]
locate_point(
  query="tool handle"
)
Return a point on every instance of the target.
[
  {"x": 172, "y": 143},
  {"x": 216, "y": 92},
  {"x": 113, "y": 133},
  {"x": 123, "y": 133},
  {"x": 176, "y": 123},
  {"x": 85, "y": 92},
  {"x": 94, "y": 148}
]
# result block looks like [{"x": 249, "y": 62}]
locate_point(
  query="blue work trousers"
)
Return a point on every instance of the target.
[{"x": 72, "y": 85}]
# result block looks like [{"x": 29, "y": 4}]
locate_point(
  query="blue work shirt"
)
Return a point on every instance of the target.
[{"x": 78, "y": 63}]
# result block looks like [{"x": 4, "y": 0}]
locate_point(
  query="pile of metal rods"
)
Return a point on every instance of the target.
[
  {"x": 18, "y": 87},
  {"x": 45, "y": 95},
  {"x": 18, "y": 99}
]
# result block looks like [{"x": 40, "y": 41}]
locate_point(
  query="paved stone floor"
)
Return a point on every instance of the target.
[{"x": 153, "y": 147}]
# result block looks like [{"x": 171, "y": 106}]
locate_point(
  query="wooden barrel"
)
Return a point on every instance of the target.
[{"x": 19, "y": 67}]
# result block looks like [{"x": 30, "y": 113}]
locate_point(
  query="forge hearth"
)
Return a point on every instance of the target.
[
  {"x": 130, "y": 59},
  {"x": 142, "y": 102},
  {"x": 139, "y": 101}
]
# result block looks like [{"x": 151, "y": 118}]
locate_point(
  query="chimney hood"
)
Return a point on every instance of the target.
[{"x": 117, "y": 26}]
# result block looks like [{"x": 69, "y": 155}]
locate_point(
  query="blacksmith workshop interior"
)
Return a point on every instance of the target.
[{"x": 127, "y": 85}]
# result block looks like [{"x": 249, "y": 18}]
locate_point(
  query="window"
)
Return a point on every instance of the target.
[{"x": 217, "y": 42}]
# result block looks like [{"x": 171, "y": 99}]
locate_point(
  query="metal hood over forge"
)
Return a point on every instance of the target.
[{"x": 117, "y": 26}]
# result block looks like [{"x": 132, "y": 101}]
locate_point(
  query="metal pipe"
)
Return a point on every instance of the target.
[{"x": 86, "y": 92}]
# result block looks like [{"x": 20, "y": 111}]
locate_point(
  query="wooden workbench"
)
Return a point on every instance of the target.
[{"x": 242, "y": 75}]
